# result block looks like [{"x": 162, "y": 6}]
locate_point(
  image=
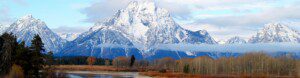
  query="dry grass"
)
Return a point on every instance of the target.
[
  {"x": 298, "y": 69},
  {"x": 183, "y": 75}
]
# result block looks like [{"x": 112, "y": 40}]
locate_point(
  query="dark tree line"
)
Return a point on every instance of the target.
[{"x": 29, "y": 58}]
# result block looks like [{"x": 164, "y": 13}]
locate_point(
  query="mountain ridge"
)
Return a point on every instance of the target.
[{"x": 27, "y": 26}]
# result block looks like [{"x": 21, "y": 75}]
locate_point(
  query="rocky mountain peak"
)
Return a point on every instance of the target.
[
  {"x": 276, "y": 32},
  {"x": 27, "y": 27},
  {"x": 236, "y": 40}
]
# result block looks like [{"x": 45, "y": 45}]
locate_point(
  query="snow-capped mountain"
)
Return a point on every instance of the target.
[
  {"x": 139, "y": 26},
  {"x": 274, "y": 33},
  {"x": 27, "y": 27},
  {"x": 2, "y": 28},
  {"x": 236, "y": 40},
  {"x": 68, "y": 36},
  {"x": 145, "y": 24}
]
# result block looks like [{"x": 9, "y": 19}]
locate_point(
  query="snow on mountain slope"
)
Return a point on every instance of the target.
[
  {"x": 104, "y": 43},
  {"x": 276, "y": 32},
  {"x": 2, "y": 28},
  {"x": 236, "y": 40},
  {"x": 145, "y": 24},
  {"x": 140, "y": 25},
  {"x": 27, "y": 27},
  {"x": 68, "y": 36}
]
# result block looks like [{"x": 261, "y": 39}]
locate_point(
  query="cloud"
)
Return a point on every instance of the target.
[
  {"x": 256, "y": 19},
  {"x": 105, "y": 8},
  {"x": 21, "y": 2},
  {"x": 102, "y": 9},
  {"x": 5, "y": 17},
  {"x": 237, "y": 48},
  {"x": 221, "y": 33}
]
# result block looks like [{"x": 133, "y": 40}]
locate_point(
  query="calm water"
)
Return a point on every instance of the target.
[{"x": 102, "y": 74}]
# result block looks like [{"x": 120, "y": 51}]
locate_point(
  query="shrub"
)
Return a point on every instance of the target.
[
  {"x": 107, "y": 62},
  {"x": 91, "y": 60},
  {"x": 121, "y": 62},
  {"x": 16, "y": 72},
  {"x": 162, "y": 70}
]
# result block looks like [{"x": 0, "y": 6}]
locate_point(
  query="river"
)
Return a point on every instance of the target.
[{"x": 101, "y": 74}]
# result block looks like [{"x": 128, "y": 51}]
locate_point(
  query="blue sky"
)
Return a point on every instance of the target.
[{"x": 221, "y": 18}]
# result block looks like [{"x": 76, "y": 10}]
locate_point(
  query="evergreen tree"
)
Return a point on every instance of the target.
[
  {"x": 37, "y": 60},
  {"x": 186, "y": 68},
  {"x": 23, "y": 58},
  {"x": 9, "y": 45},
  {"x": 50, "y": 58},
  {"x": 132, "y": 60},
  {"x": 1, "y": 43}
]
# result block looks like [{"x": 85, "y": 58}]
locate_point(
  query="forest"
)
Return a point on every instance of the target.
[{"x": 21, "y": 61}]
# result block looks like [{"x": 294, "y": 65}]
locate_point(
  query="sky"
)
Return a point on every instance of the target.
[{"x": 221, "y": 18}]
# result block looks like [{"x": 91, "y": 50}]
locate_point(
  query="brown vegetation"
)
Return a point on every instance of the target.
[
  {"x": 91, "y": 60},
  {"x": 16, "y": 72},
  {"x": 121, "y": 62},
  {"x": 248, "y": 65},
  {"x": 298, "y": 69},
  {"x": 107, "y": 62}
]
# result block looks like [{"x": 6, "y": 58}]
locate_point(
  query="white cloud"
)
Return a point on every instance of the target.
[
  {"x": 102, "y": 9},
  {"x": 21, "y": 2},
  {"x": 221, "y": 33},
  {"x": 238, "y": 48},
  {"x": 5, "y": 17}
]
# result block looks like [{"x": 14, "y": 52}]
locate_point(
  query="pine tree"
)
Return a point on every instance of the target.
[
  {"x": 132, "y": 60},
  {"x": 7, "y": 53},
  {"x": 37, "y": 61},
  {"x": 50, "y": 58},
  {"x": 1, "y": 43},
  {"x": 23, "y": 58}
]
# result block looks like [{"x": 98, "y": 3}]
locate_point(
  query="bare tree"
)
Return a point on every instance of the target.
[{"x": 91, "y": 60}]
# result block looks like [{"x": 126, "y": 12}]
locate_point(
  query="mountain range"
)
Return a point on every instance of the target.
[
  {"x": 68, "y": 36},
  {"x": 136, "y": 30}
]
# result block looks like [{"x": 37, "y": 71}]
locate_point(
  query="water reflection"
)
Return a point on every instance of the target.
[{"x": 101, "y": 74}]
